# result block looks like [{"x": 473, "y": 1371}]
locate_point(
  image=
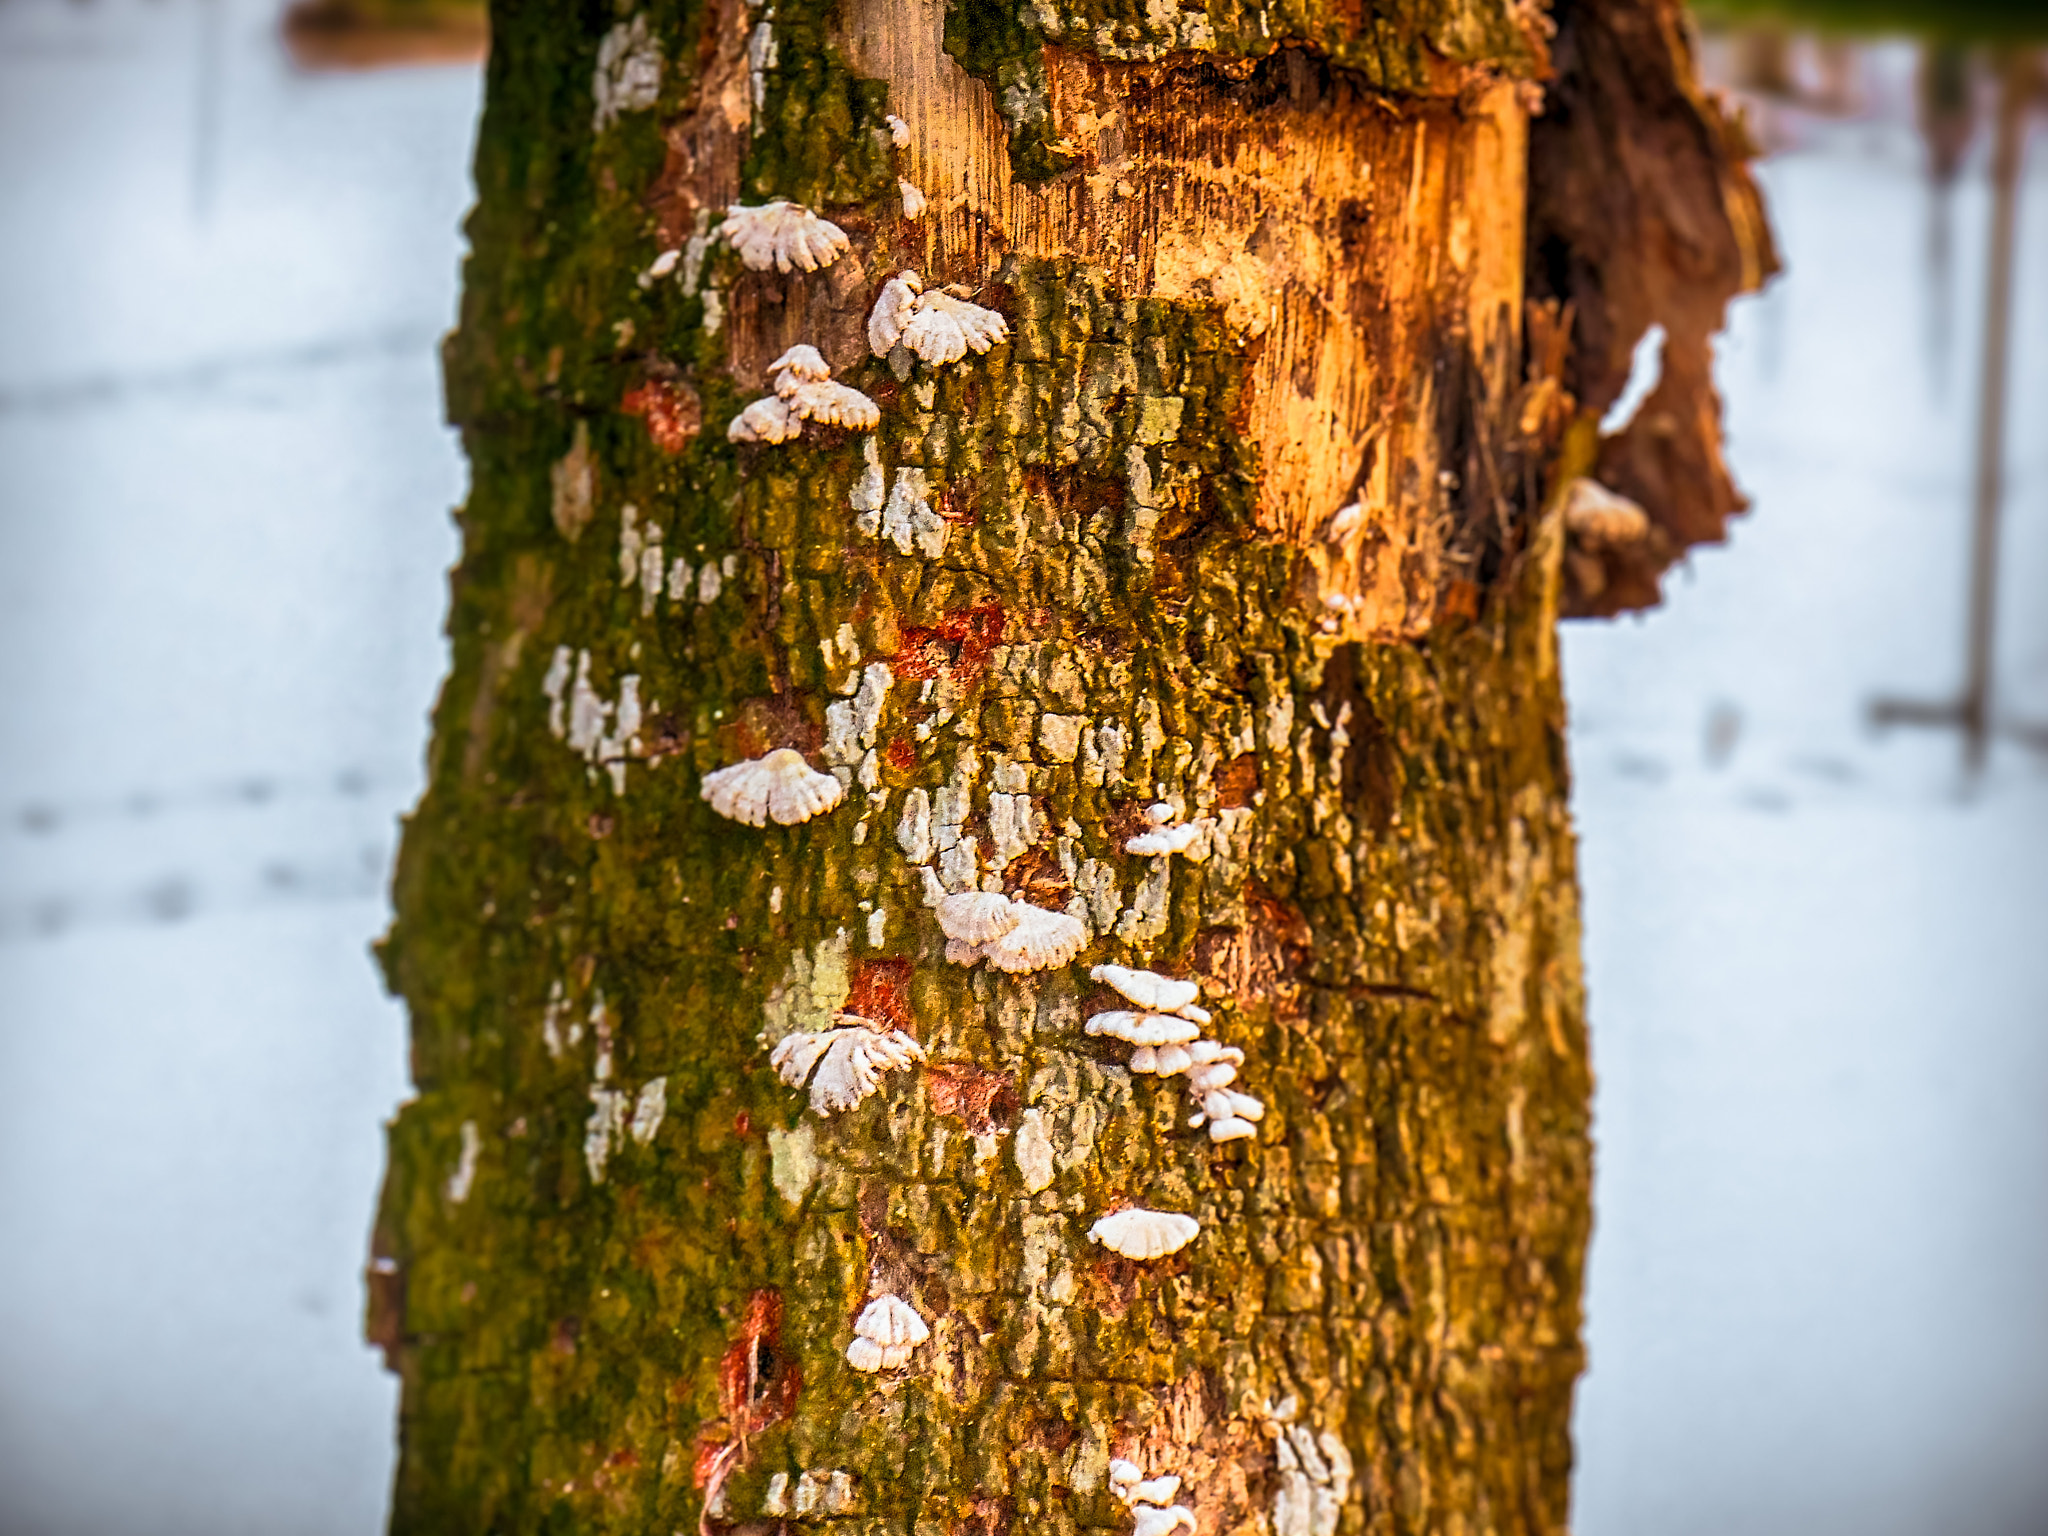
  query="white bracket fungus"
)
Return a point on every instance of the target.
[
  {"x": 782, "y": 235},
  {"x": 1166, "y": 837},
  {"x": 895, "y": 307},
  {"x": 1164, "y": 840},
  {"x": 804, "y": 391},
  {"x": 939, "y": 327},
  {"x": 1165, "y": 1060},
  {"x": 946, "y": 328},
  {"x": 1036, "y": 940},
  {"x": 899, "y": 131},
  {"x": 850, "y": 1060},
  {"x": 1161, "y": 1522},
  {"x": 1152, "y": 1511},
  {"x": 1149, "y": 990},
  {"x": 1598, "y": 518},
  {"x": 1129, "y": 1483},
  {"x": 1137, "y": 1233},
  {"x": 884, "y": 1335},
  {"x": 913, "y": 199},
  {"x": 1215, "y": 1066},
  {"x": 662, "y": 265},
  {"x": 801, "y": 364},
  {"x": 1153, "y": 1029},
  {"x": 781, "y": 786},
  {"x": 1165, "y": 1029},
  {"x": 976, "y": 917}
]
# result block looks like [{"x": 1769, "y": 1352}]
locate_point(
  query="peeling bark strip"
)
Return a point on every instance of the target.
[
  {"x": 1643, "y": 212},
  {"x": 992, "y": 940}
]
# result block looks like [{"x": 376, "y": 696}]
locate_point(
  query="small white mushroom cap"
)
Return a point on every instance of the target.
[
  {"x": 1206, "y": 1051},
  {"x": 1231, "y": 1129},
  {"x": 1144, "y": 1028},
  {"x": 1160, "y": 1490},
  {"x": 891, "y": 1321},
  {"x": 899, "y": 130},
  {"x": 782, "y": 235},
  {"x": 945, "y": 329},
  {"x": 768, "y": 420},
  {"x": 1164, "y": 840},
  {"x": 801, "y": 364},
  {"x": 866, "y": 1355},
  {"x": 1041, "y": 940},
  {"x": 1147, "y": 989},
  {"x": 1145, "y": 1059},
  {"x": 781, "y": 787},
  {"x": 976, "y": 917},
  {"x": 1221, "y": 1104},
  {"x": 1159, "y": 814},
  {"x": 913, "y": 199},
  {"x": 1123, "y": 1474},
  {"x": 850, "y": 1062},
  {"x": 1600, "y": 519},
  {"x": 894, "y": 308},
  {"x": 1174, "y": 1059},
  {"x": 1161, "y": 1522},
  {"x": 1208, "y": 1075},
  {"x": 833, "y": 404},
  {"x": 665, "y": 263},
  {"x": 1137, "y": 1233}
]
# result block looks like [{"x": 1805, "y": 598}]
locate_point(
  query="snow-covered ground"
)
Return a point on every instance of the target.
[
  {"x": 1818, "y": 958},
  {"x": 223, "y": 533},
  {"x": 1819, "y": 963}
]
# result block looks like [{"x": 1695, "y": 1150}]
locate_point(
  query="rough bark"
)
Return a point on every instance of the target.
[{"x": 618, "y": 1260}]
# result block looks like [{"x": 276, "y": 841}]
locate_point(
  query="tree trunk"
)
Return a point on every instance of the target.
[{"x": 1252, "y": 514}]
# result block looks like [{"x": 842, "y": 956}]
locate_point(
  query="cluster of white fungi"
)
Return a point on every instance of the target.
[{"x": 842, "y": 1066}]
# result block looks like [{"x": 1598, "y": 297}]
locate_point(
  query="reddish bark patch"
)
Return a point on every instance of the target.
[
  {"x": 991, "y": 1517},
  {"x": 673, "y": 412},
  {"x": 901, "y": 755},
  {"x": 980, "y": 1100},
  {"x": 1036, "y": 874},
  {"x": 1237, "y": 782},
  {"x": 384, "y": 1316},
  {"x": 956, "y": 503},
  {"x": 958, "y": 646},
  {"x": 1459, "y": 600},
  {"x": 1258, "y": 964},
  {"x": 770, "y": 721},
  {"x": 881, "y": 992},
  {"x": 758, "y": 1385}
]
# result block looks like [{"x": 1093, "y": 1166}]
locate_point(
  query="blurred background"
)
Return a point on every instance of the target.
[{"x": 1817, "y": 900}]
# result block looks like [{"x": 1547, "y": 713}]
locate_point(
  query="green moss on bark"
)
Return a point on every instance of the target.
[{"x": 1387, "y": 926}]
